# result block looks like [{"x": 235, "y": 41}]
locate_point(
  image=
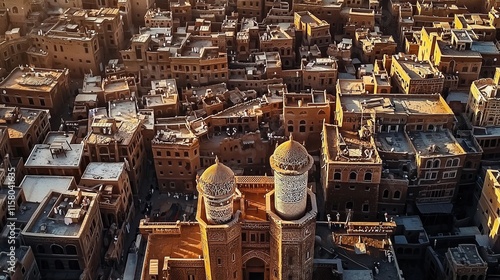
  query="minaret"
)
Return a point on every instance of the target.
[
  {"x": 290, "y": 163},
  {"x": 292, "y": 210},
  {"x": 220, "y": 230},
  {"x": 217, "y": 186}
]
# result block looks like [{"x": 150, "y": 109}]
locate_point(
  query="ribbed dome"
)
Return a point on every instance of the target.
[
  {"x": 217, "y": 180},
  {"x": 290, "y": 155}
]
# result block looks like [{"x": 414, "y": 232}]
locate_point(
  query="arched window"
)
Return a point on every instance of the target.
[
  {"x": 337, "y": 176},
  {"x": 71, "y": 249},
  {"x": 368, "y": 176},
  {"x": 349, "y": 205},
  {"x": 302, "y": 127},
  {"x": 15, "y": 10},
  {"x": 59, "y": 264},
  {"x": 449, "y": 162},
  {"x": 56, "y": 249},
  {"x": 428, "y": 164},
  {"x": 353, "y": 175},
  {"x": 385, "y": 194},
  {"x": 321, "y": 112},
  {"x": 397, "y": 195},
  {"x": 436, "y": 163},
  {"x": 456, "y": 162},
  {"x": 290, "y": 126}
]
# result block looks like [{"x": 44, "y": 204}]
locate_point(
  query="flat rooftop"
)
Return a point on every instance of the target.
[
  {"x": 486, "y": 131},
  {"x": 449, "y": 50},
  {"x": 32, "y": 79},
  {"x": 417, "y": 69},
  {"x": 123, "y": 109},
  {"x": 173, "y": 130},
  {"x": 47, "y": 222},
  {"x": 64, "y": 155},
  {"x": 395, "y": 142},
  {"x": 435, "y": 142},
  {"x": 37, "y": 187},
  {"x": 395, "y": 103},
  {"x": 466, "y": 255},
  {"x": 410, "y": 223},
  {"x": 103, "y": 170},
  {"x": 346, "y": 146},
  {"x": 124, "y": 133},
  {"x": 26, "y": 117},
  {"x": 351, "y": 85},
  {"x": 248, "y": 109},
  {"x": 487, "y": 88}
]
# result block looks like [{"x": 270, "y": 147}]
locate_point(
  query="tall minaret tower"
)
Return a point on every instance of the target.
[
  {"x": 292, "y": 211},
  {"x": 220, "y": 230},
  {"x": 290, "y": 163}
]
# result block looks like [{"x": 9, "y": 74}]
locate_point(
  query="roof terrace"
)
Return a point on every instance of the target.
[
  {"x": 103, "y": 171},
  {"x": 36, "y": 187},
  {"x": 62, "y": 214},
  {"x": 32, "y": 79},
  {"x": 346, "y": 146},
  {"x": 59, "y": 153},
  {"x": 432, "y": 143}
]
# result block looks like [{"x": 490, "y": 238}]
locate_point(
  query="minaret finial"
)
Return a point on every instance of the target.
[
  {"x": 216, "y": 160},
  {"x": 291, "y": 137}
]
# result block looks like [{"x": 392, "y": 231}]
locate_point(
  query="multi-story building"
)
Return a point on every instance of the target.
[
  {"x": 25, "y": 127},
  {"x": 413, "y": 76},
  {"x": 182, "y": 10},
  {"x": 24, "y": 266},
  {"x": 483, "y": 25},
  {"x": 176, "y": 154},
  {"x": 195, "y": 60},
  {"x": 483, "y": 106},
  {"x": 36, "y": 88},
  {"x": 58, "y": 157},
  {"x": 355, "y": 18},
  {"x": 110, "y": 88},
  {"x": 248, "y": 225},
  {"x": 439, "y": 159},
  {"x": 312, "y": 30},
  {"x": 440, "y": 9},
  {"x": 488, "y": 139},
  {"x": 278, "y": 38},
  {"x": 110, "y": 180},
  {"x": 18, "y": 12},
  {"x": 319, "y": 74},
  {"x": 464, "y": 261},
  {"x": 117, "y": 139},
  {"x": 5, "y": 148},
  {"x": 163, "y": 98},
  {"x": 65, "y": 234},
  {"x": 487, "y": 217},
  {"x": 13, "y": 49},
  {"x": 304, "y": 115},
  {"x": 350, "y": 174},
  {"x": 454, "y": 57},
  {"x": 414, "y": 112},
  {"x": 61, "y": 43},
  {"x": 374, "y": 45},
  {"x": 106, "y": 22},
  {"x": 158, "y": 18},
  {"x": 251, "y": 8}
]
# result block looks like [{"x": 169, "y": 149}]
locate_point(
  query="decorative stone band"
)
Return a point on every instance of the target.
[
  {"x": 290, "y": 195},
  {"x": 219, "y": 214}
]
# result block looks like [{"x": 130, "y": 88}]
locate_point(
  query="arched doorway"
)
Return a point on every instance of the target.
[{"x": 254, "y": 269}]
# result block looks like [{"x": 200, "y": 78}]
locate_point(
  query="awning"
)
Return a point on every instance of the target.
[{"x": 435, "y": 208}]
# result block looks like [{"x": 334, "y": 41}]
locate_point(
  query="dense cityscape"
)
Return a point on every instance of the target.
[{"x": 249, "y": 139}]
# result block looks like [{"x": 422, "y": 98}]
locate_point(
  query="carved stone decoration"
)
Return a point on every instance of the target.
[
  {"x": 290, "y": 195},
  {"x": 233, "y": 233},
  {"x": 256, "y": 254},
  {"x": 217, "y": 236},
  {"x": 219, "y": 214}
]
